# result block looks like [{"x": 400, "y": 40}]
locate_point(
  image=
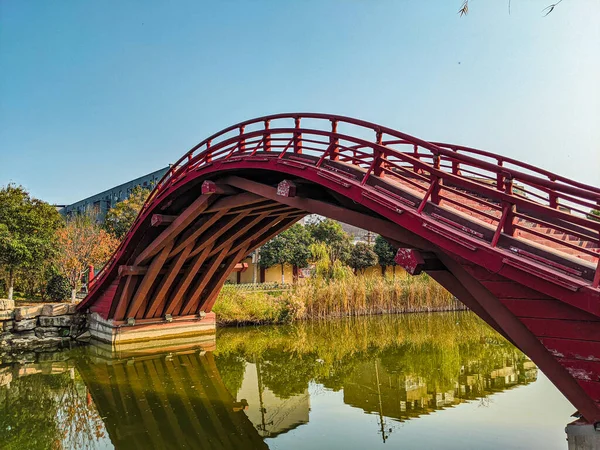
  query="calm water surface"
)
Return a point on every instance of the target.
[{"x": 413, "y": 381}]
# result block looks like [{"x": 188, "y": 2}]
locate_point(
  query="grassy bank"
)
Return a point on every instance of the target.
[{"x": 317, "y": 298}]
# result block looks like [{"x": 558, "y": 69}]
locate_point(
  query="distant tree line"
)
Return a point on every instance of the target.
[
  {"x": 46, "y": 256},
  {"x": 328, "y": 247}
]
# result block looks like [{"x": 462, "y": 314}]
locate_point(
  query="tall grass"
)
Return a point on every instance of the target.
[{"x": 319, "y": 298}]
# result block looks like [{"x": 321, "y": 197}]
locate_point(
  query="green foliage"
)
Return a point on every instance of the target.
[
  {"x": 594, "y": 214},
  {"x": 385, "y": 252},
  {"x": 27, "y": 232},
  {"x": 119, "y": 219},
  {"x": 291, "y": 247},
  {"x": 58, "y": 288},
  {"x": 362, "y": 257},
  {"x": 337, "y": 240}
]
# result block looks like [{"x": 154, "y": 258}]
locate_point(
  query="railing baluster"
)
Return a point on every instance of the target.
[
  {"x": 499, "y": 177},
  {"x": 208, "y": 152},
  {"x": 510, "y": 213},
  {"x": 242, "y": 145},
  {"x": 552, "y": 196},
  {"x": 379, "y": 158},
  {"x": 267, "y": 136},
  {"x": 435, "y": 194},
  {"x": 334, "y": 142},
  {"x": 297, "y": 137}
]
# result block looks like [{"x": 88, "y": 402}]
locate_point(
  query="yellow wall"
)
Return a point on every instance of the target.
[{"x": 273, "y": 274}]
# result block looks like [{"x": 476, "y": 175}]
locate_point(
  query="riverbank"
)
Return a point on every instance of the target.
[
  {"x": 44, "y": 327},
  {"x": 317, "y": 298}
]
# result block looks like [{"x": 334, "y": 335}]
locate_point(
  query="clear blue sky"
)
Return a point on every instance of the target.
[{"x": 94, "y": 93}]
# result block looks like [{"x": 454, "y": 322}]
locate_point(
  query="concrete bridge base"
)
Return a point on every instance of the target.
[
  {"x": 582, "y": 435},
  {"x": 110, "y": 337}
]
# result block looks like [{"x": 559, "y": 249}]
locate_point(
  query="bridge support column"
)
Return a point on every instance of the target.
[
  {"x": 582, "y": 435},
  {"x": 146, "y": 335}
]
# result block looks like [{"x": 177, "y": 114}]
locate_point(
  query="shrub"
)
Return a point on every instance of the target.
[{"x": 58, "y": 288}]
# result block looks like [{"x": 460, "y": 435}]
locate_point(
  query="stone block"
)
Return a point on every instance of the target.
[
  {"x": 56, "y": 321},
  {"x": 53, "y": 357},
  {"x": 72, "y": 308},
  {"x": 24, "y": 325},
  {"x": 55, "y": 309},
  {"x": 6, "y": 325},
  {"x": 6, "y": 304},
  {"x": 28, "y": 312},
  {"x": 21, "y": 343},
  {"x": 86, "y": 336},
  {"x": 7, "y": 315},
  {"x": 43, "y": 332},
  {"x": 23, "y": 334}
]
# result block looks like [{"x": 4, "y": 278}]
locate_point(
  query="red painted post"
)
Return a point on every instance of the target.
[
  {"x": 510, "y": 213},
  {"x": 208, "y": 152},
  {"x": 552, "y": 196},
  {"x": 416, "y": 155},
  {"x": 334, "y": 142},
  {"x": 379, "y": 158},
  {"x": 455, "y": 165},
  {"x": 435, "y": 193},
  {"x": 242, "y": 145},
  {"x": 267, "y": 137},
  {"x": 297, "y": 137},
  {"x": 499, "y": 177},
  {"x": 90, "y": 273},
  {"x": 596, "y": 282}
]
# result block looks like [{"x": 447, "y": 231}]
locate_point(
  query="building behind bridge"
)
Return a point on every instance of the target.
[{"x": 100, "y": 203}]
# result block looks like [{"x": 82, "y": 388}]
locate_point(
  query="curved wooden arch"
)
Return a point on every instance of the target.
[{"x": 511, "y": 241}]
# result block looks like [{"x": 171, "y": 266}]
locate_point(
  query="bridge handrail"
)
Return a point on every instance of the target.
[{"x": 382, "y": 157}]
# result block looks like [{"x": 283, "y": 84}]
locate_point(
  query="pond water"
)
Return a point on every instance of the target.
[{"x": 411, "y": 381}]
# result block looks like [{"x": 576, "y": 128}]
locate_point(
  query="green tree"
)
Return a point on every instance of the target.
[
  {"x": 291, "y": 247},
  {"x": 594, "y": 214},
  {"x": 362, "y": 257},
  {"x": 120, "y": 218},
  {"x": 27, "y": 232},
  {"x": 331, "y": 233},
  {"x": 386, "y": 253}
]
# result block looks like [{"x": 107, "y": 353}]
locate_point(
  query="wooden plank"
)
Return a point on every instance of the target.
[
  {"x": 126, "y": 295},
  {"x": 377, "y": 225},
  {"x": 157, "y": 304},
  {"x": 592, "y": 388},
  {"x": 232, "y": 234},
  {"x": 215, "y": 232},
  {"x": 510, "y": 289},
  {"x": 183, "y": 220},
  {"x": 131, "y": 270},
  {"x": 141, "y": 293},
  {"x": 581, "y": 369},
  {"x": 176, "y": 297},
  {"x": 566, "y": 329},
  {"x": 195, "y": 231},
  {"x": 193, "y": 298},
  {"x": 158, "y": 220},
  {"x": 546, "y": 309},
  {"x": 234, "y": 201},
  {"x": 215, "y": 285},
  {"x": 572, "y": 348},
  {"x": 268, "y": 231}
]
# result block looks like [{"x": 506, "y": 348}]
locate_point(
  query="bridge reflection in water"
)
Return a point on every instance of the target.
[{"x": 256, "y": 384}]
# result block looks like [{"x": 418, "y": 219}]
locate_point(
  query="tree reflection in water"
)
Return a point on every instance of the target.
[{"x": 256, "y": 383}]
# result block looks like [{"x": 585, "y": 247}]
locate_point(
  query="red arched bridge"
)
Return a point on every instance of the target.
[{"x": 515, "y": 243}]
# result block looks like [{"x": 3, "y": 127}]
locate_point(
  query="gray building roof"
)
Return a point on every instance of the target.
[{"x": 105, "y": 200}]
